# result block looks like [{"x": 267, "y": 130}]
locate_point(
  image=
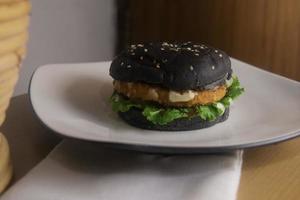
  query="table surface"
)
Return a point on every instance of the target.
[{"x": 270, "y": 172}]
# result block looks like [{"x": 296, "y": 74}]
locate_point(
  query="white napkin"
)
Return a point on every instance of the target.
[{"x": 77, "y": 171}]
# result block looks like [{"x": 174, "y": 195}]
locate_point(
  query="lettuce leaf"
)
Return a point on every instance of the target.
[
  {"x": 119, "y": 104},
  {"x": 235, "y": 89},
  {"x": 208, "y": 112},
  {"x": 162, "y": 116},
  {"x": 226, "y": 101}
]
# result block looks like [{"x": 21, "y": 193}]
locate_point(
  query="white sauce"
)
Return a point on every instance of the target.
[
  {"x": 221, "y": 107},
  {"x": 181, "y": 97},
  {"x": 229, "y": 82},
  {"x": 152, "y": 94}
]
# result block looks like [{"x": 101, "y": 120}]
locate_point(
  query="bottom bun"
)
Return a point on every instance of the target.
[{"x": 135, "y": 118}]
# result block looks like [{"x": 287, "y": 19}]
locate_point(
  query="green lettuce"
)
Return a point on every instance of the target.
[
  {"x": 162, "y": 116},
  {"x": 119, "y": 104},
  {"x": 210, "y": 112},
  {"x": 235, "y": 89}
]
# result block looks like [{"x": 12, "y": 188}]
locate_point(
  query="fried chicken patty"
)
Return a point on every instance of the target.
[{"x": 146, "y": 92}]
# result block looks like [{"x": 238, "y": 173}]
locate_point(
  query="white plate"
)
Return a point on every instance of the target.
[{"x": 72, "y": 100}]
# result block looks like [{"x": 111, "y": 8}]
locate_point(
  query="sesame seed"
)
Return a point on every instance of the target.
[
  {"x": 128, "y": 66},
  {"x": 141, "y": 58},
  {"x": 191, "y": 68},
  {"x": 132, "y": 46},
  {"x": 213, "y": 67},
  {"x": 157, "y": 65},
  {"x": 140, "y": 45},
  {"x": 196, "y": 54},
  {"x": 216, "y": 51},
  {"x": 122, "y": 63},
  {"x": 133, "y": 53},
  {"x": 165, "y": 60},
  {"x": 202, "y": 47},
  {"x": 220, "y": 55},
  {"x": 145, "y": 50},
  {"x": 188, "y": 48},
  {"x": 165, "y": 44},
  {"x": 162, "y": 49}
]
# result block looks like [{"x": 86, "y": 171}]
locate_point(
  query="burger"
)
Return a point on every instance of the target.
[{"x": 173, "y": 86}]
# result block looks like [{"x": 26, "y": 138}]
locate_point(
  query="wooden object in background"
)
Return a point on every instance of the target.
[
  {"x": 271, "y": 172},
  {"x": 265, "y": 33},
  {"x": 5, "y": 165},
  {"x": 29, "y": 140},
  {"x": 14, "y": 21}
]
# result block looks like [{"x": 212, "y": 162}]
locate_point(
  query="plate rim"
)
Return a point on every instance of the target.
[{"x": 164, "y": 149}]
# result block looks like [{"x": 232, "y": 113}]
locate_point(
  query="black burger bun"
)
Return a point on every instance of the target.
[
  {"x": 135, "y": 118},
  {"x": 184, "y": 66}
]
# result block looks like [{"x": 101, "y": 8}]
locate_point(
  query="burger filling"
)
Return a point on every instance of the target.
[
  {"x": 162, "y": 106},
  {"x": 189, "y": 98}
]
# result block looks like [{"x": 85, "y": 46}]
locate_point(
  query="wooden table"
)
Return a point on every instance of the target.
[{"x": 269, "y": 173}]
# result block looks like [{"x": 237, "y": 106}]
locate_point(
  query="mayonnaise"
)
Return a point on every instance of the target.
[
  {"x": 152, "y": 94},
  {"x": 181, "y": 97}
]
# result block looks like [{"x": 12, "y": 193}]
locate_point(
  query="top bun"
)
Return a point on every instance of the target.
[{"x": 175, "y": 66}]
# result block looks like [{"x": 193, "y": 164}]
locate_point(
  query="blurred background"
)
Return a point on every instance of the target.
[
  {"x": 68, "y": 31},
  {"x": 265, "y": 33}
]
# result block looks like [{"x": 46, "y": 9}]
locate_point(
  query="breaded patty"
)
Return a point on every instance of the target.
[{"x": 146, "y": 92}]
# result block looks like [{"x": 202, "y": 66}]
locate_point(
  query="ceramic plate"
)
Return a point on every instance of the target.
[{"x": 72, "y": 100}]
